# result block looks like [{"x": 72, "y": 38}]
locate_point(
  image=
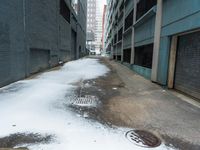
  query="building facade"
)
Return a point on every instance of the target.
[
  {"x": 99, "y": 17},
  {"x": 103, "y": 26},
  {"x": 36, "y": 35},
  {"x": 91, "y": 24},
  {"x": 158, "y": 39}
]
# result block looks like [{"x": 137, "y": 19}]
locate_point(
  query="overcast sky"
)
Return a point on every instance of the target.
[{"x": 101, "y": 3}]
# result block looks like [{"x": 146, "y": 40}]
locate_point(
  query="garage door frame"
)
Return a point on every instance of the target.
[{"x": 173, "y": 57}]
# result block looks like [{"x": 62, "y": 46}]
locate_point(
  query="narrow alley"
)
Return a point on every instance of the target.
[{"x": 100, "y": 75}]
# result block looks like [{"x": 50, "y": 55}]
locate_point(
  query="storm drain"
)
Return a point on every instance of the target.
[
  {"x": 143, "y": 138},
  {"x": 87, "y": 101}
]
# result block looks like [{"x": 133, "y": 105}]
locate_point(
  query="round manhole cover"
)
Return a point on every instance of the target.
[{"x": 143, "y": 138}]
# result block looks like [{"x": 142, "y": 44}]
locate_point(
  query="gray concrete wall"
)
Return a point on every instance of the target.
[
  {"x": 34, "y": 36},
  {"x": 12, "y": 52}
]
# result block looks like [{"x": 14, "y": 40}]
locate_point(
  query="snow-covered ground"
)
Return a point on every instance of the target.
[{"x": 39, "y": 106}]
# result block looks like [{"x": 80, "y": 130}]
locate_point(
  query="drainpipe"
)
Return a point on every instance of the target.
[
  {"x": 157, "y": 37},
  {"x": 133, "y": 33}
]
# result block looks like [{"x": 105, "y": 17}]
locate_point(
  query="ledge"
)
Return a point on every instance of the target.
[
  {"x": 146, "y": 16},
  {"x": 119, "y": 42},
  {"x": 127, "y": 30}
]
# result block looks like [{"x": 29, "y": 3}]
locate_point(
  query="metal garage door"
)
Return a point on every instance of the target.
[
  {"x": 187, "y": 73},
  {"x": 39, "y": 60}
]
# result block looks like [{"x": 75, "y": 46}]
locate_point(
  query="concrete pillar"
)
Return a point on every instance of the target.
[
  {"x": 133, "y": 33},
  {"x": 172, "y": 61},
  {"x": 122, "y": 50},
  {"x": 157, "y": 37}
]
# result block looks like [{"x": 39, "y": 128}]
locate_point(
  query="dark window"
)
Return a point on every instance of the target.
[
  {"x": 64, "y": 10},
  {"x": 121, "y": 6},
  {"x": 129, "y": 20},
  {"x": 119, "y": 57},
  {"x": 126, "y": 3},
  {"x": 116, "y": 16},
  {"x": 115, "y": 39},
  {"x": 144, "y": 55},
  {"x": 120, "y": 34},
  {"x": 144, "y": 6},
  {"x": 127, "y": 56},
  {"x": 121, "y": 16},
  {"x": 116, "y": 4}
]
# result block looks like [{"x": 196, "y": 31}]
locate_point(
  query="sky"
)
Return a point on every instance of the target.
[{"x": 101, "y": 3}]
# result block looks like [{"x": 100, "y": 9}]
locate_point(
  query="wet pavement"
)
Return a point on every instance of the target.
[
  {"x": 126, "y": 100},
  {"x": 129, "y": 100}
]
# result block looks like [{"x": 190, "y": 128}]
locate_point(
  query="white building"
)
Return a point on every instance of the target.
[{"x": 94, "y": 25}]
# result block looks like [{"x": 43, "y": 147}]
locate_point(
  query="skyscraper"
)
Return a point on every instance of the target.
[{"x": 91, "y": 24}]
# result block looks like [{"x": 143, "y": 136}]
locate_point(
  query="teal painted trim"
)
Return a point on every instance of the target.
[
  {"x": 145, "y": 72},
  {"x": 145, "y": 42},
  {"x": 145, "y": 32},
  {"x": 127, "y": 65},
  {"x": 163, "y": 64}
]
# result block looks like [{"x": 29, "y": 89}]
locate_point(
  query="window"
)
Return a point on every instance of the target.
[
  {"x": 121, "y": 6},
  {"x": 144, "y": 55},
  {"x": 129, "y": 20},
  {"x": 127, "y": 55},
  {"x": 120, "y": 34},
  {"x": 115, "y": 39},
  {"x": 144, "y": 6},
  {"x": 64, "y": 10}
]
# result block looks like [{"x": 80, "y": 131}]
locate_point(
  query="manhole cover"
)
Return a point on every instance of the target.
[{"x": 143, "y": 138}]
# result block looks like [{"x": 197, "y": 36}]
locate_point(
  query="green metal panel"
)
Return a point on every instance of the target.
[
  {"x": 162, "y": 73},
  {"x": 145, "y": 32},
  {"x": 145, "y": 72}
]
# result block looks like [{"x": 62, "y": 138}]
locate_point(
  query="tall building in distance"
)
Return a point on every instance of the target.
[
  {"x": 94, "y": 25},
  {"x": 103, "y": 25},
  {"x": 91, "y": 24},
  {"x": 99, "y": 16}
]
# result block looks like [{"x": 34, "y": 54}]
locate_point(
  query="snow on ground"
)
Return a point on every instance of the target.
[{"x": 38, "y": 106}]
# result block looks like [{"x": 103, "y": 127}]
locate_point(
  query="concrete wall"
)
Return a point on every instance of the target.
[
  {"x": 12, "y": 47},
  {"x": 35, "y": 36}
]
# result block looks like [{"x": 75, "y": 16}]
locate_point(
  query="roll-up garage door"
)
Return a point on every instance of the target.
[{"x": 187, "y": 73}]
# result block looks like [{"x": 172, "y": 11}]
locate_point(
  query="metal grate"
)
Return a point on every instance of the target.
[
  {"x": 87, "y": 100},
  {"x": 143, "y": 138}
]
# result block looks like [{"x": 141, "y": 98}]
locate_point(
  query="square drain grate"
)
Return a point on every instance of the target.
[{"x": 86, "y": 101}]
